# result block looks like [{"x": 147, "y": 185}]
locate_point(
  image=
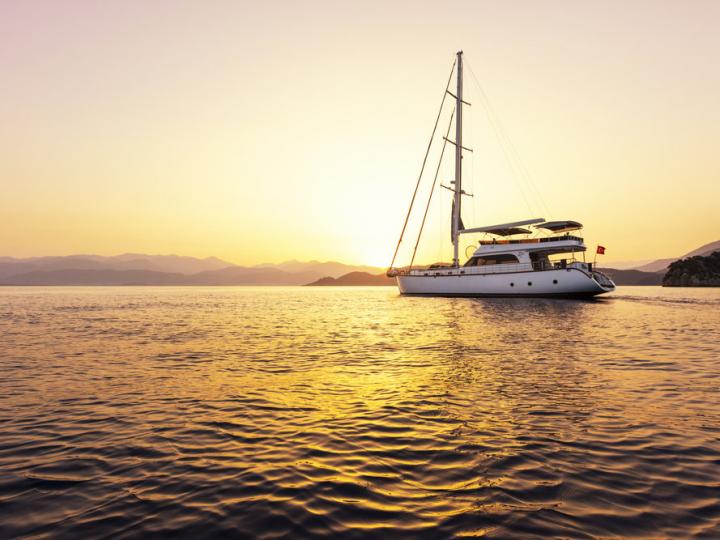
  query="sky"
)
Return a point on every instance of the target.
[{"x": 266, "y": 131}]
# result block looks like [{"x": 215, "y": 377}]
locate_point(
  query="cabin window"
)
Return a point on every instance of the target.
[
  {"x": 488, "y": 260},
  {"x": 540, "y": 261}
]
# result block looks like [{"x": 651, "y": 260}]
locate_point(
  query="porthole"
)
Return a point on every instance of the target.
[
  {"x": 554, "y": 281},
  {"x": 529, "y": 283},
  {"x": 512, "y": 284}
]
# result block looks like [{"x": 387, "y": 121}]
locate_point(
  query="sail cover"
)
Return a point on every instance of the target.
[
  {"x": 461, "y": 225},
  {"x": 560, "y": 226}
]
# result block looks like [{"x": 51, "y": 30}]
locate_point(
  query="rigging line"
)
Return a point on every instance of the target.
[
  {"x": 505, "y": 144},
  {"x": 514, "y": 168},
  {"x": 509, "y": 147},
  {"x": 474, "y": 185},
  {"x": 524, "y": 171},
  {"x": 513, "y": 152},
  {"x": 432, "y": 188},
  {"x": 427, "y": 152}
]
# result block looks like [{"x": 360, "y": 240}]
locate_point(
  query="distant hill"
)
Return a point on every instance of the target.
[
  {"x": 697, "y": 271},
  {"x": 633, "y": 277},
  {"x": 241, "y": 275},
  {"x": 626, "y": 264},
  {"x": 139, "y": 269},
  {"x": 234, "y": 275},
  {"x": 330, "y": 268},
  {"x": 95, "y": 277},
  {"x": 652, "y": 273},
  {"x": 704, "y": 251},
  {"x": 166, "y": 263},
  {"x": 355, "y": 278},
  {"x": 10, "y": 266},
  {"x": 661, "y": 265}
]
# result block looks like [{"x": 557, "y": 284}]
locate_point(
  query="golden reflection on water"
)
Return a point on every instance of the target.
[{"x": 318, "y": 412}]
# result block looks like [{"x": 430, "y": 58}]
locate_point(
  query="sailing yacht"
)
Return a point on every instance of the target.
[{"x": 513, "y": 259}]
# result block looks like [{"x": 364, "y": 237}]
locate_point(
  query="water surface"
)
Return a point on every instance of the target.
[{"x": 354, "y": 413}]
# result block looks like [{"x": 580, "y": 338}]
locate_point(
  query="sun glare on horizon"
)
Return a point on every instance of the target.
[{"x": 169, "y": 136}]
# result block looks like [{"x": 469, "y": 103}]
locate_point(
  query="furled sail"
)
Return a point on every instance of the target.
[{"x": 461, "y": 225}]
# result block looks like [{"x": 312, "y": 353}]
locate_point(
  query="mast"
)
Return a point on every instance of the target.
[{"x": 458, "y": 161}]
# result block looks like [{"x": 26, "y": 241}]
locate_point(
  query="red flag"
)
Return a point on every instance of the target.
[{"x": 601, "y": 250}]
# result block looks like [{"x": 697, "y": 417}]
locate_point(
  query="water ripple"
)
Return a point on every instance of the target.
[{"x": 355, "y": 413}]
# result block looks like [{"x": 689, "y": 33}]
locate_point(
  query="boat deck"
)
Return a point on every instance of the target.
[
  {"x": 497, "y": 269},
  {"x": 532, "y": 240}
]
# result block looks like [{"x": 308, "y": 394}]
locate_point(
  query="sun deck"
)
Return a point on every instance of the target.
[{"x": 532, "y": 240}]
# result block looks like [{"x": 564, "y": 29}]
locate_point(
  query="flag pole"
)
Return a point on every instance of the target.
[{"x": 599, "y": 249}]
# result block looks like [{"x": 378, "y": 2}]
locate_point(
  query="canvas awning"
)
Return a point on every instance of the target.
[
  {"x": 560, "y": 226},
  {"x": 501, "y": 226},
  {"x": 508, "y": 231}
]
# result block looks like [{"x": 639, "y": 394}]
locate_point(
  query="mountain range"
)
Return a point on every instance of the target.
[
  {"x": 661, "y": 265},
  {"x": 651, "y": 273},
  {"x": 140, "y": 269},
  {"x": 10, "y": 266}
]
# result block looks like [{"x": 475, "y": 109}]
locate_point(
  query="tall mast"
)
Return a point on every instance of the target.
[{"x": 458, "y": 161}]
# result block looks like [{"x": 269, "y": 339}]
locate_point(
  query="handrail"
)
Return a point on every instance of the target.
[
  {"x": 531, "y": 240},
  {"x": 472, "y": 270},
  {"x": 491, "y": 269}
]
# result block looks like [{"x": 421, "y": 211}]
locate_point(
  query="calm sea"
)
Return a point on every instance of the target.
[{"x": 356, "y": 413}]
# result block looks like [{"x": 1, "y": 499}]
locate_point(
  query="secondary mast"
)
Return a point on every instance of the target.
[{"x": 458, "y": 161}]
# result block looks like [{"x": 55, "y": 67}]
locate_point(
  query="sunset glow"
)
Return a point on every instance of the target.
[
  {"x": 339, "y": 270},
  {"x": 283, "y": 130}
]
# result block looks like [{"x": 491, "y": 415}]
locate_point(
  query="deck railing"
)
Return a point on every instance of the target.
[
  {"x": 532, "y": 240},
  {"x": 473, "y": 270},
  {"x": 494, "y": 268}
]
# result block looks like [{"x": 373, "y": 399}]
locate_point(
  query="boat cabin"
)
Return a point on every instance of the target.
[
  {"x": 506, "y": 252},
  {"x": 499, "y": 254}
]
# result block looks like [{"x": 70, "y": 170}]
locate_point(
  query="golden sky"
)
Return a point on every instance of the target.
[{"x": 266, "y": 131}]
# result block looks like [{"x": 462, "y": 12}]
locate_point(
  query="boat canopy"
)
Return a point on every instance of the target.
[
  {"x": 560, "y": 226},
  {"x": 490, "y": 228},
  {"x": 508, "y": 231}
]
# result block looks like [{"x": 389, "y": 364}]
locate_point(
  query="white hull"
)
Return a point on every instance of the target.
[{"x": 569, "y": 282}]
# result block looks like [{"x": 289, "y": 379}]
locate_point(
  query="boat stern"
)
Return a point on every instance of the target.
[{"x": 603, "y": 281}]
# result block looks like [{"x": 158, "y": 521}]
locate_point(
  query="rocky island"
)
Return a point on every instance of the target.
[
  {"x": 354, "y": 278},
  {"x": 694, "y": 272}
]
